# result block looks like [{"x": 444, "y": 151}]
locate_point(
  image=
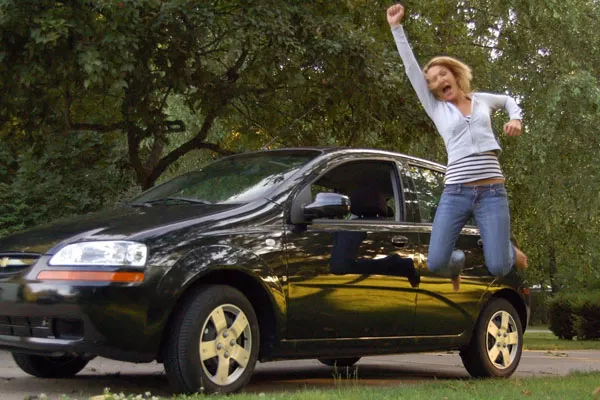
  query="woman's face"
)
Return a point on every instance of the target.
[{"x": 442, "y": 83}]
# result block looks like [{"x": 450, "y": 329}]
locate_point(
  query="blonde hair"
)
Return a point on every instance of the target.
[{"x": 460, "y": 70}]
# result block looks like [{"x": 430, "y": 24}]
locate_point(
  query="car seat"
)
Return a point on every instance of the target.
[{"x": 367, "y": 202}]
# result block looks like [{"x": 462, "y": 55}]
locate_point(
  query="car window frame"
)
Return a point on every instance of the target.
[
  {"x": 411, "y": 183},
  {"x": 397, "y": 188}
]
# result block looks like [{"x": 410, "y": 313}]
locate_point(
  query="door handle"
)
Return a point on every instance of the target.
[
  {"x": 400, "y": 241},
  {"x": 480, "y": 242}
]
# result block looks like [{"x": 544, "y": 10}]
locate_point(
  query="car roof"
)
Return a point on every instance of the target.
[{"x": 332, "y": 150}]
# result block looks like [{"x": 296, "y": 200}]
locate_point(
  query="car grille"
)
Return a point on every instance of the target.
[
  {"x": 26, "y": 327},
  {"x": 15, "y": 262},
  {"x": 41, "y": 327}
]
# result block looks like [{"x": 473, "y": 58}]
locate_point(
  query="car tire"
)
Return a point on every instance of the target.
[
  {"x": 50, "y": 367},
  {"x": 214, "y": 342},
  {"x": 497, "y": 342},
  {"x": 339, "y": 362}
]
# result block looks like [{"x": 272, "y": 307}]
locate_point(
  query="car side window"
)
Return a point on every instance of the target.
[
  {"x": 368, "y": 184},
  {"x": 429, "y": 185}
]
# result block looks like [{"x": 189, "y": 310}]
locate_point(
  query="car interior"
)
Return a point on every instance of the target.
[{"x": 370, "y": 185}]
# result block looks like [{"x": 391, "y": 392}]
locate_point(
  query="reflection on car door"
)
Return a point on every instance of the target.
[
  {"x": 441, "y": 310},
  {"x": 346, "y": 277}
]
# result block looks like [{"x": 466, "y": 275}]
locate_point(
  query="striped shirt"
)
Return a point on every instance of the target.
[{"x": 473, "y": 168}]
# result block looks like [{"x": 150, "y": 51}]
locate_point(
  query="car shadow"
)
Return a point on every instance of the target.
[{"x": 271, "y": 377}]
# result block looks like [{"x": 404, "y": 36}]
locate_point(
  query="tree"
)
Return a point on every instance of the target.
[
  {"x": 176, "y": 82},
  {"x": 116, "y": 66},
  {"x": 547, "y": 54},
  {"x": 78, "y": 174}
]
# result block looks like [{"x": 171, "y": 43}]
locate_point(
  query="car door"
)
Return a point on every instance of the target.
[
  {"x": 441, "y": 310},
  {"x": 347, "y": 277}
]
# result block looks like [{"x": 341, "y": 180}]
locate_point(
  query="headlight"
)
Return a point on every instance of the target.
[{"x": 102, "y": 253}]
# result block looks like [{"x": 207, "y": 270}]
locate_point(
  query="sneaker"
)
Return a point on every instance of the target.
[{"x": 413, "y": 276}]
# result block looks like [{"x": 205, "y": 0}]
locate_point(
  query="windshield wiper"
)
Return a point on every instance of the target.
[{"x": 149, "y": 203}]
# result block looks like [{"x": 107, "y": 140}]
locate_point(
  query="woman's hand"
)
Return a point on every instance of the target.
[
  {"x": 395, "y": 14},
  {"x": 513, "y": 127}
]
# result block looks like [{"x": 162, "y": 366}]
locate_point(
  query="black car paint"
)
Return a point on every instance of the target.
[{"x": 247, "y": 245}]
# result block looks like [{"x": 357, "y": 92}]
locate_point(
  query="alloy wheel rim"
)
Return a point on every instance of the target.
[
  {"x": 225, "y": 344},
  {"x": 502, "y": 339}
]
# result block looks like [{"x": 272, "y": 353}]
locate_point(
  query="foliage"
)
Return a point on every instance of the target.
[
  {"x": 547, "y": 341},
  {"x": 575, "y": 385},
  {"x": 57, "y": 178},
  {"x": 575, "y": 314},
  {"x": 562, "y": 318},
  {"x": 275, "y": 72},
  {"x": 588, "y": 320},
  {"x": 554, "y": 167},
  {"x": 167, "y": 85},
  {"x": 539, "y": 304},
  {"x": 107, "y": 395},
  {"x": 562, "y": 315}
]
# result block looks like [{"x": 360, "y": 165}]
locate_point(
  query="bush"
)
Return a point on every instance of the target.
[
  {"x": 587, "y": 324},
  {"x": 563, "y": 312},
  {"x": 78, "y": 174},
  {"x": 539, "y": 307}
]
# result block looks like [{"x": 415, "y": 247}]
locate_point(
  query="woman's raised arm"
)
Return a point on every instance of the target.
[{"x": 395, "y": 14}]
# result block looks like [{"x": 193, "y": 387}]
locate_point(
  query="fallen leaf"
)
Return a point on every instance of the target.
[
  {"x": 100, "y": 397},
  {"x": 557, "y": 354}
]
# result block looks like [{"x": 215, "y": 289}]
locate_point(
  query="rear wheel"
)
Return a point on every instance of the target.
[
  {"x": 497, "y": 343},
  {"x": 214, "y": 340},
  {"x": 50, "y": 367},
  {"x": 339, "y": 362}
]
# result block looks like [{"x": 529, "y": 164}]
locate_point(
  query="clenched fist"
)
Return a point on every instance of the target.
[
  {"x": 513, "y": 127},
  {"x": 395, "y": 14}
]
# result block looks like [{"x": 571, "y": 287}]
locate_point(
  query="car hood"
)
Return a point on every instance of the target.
[{"x": 113, "y": 224}]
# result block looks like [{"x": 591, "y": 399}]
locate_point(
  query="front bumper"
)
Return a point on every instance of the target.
[{"x": 74, "y": 317}]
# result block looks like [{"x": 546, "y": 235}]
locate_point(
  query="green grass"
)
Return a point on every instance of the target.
[
  {"x": 547, "y": 341},
  {"x": 574, "y": 386}
]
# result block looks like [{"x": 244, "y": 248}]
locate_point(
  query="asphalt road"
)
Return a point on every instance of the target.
[{"x": 283, "y": 375}]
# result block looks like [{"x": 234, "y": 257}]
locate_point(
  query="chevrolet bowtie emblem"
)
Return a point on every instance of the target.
[{"x": 4, "y": 262}]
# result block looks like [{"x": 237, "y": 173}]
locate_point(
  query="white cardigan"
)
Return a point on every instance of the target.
[{"x": 462, "y": 138}]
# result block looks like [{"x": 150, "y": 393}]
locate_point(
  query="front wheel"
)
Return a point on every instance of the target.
[
  {"x": 497, "y": 343},
  {"x": 50, "y": 367},
  {"x": 214, "y": 340}
]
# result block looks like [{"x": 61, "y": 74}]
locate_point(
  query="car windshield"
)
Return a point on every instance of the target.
[{"x": 235, "y": 179}]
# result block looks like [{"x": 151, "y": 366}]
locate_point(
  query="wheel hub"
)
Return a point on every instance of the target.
[
  {"x": 225, "y": 347},
  {"x": 225, "y": 344},
  {"x": 502, "y": 340}
]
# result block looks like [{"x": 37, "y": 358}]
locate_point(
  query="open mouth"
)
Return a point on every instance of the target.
[{"x": 446, "y": 89}]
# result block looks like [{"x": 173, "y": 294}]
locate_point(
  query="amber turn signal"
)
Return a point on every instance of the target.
[{"x": 101, "y": 276}]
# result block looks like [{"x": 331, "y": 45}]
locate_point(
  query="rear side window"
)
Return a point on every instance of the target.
[{"x": 428, "y": 185}]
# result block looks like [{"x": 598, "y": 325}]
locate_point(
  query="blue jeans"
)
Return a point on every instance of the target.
[{"x": 489, "y": 205}]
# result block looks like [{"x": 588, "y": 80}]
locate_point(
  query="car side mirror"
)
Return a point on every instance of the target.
[{"x": 327, "y": 205}]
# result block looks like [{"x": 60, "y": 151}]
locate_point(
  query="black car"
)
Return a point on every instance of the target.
[{"x": 282, "y": 254}]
